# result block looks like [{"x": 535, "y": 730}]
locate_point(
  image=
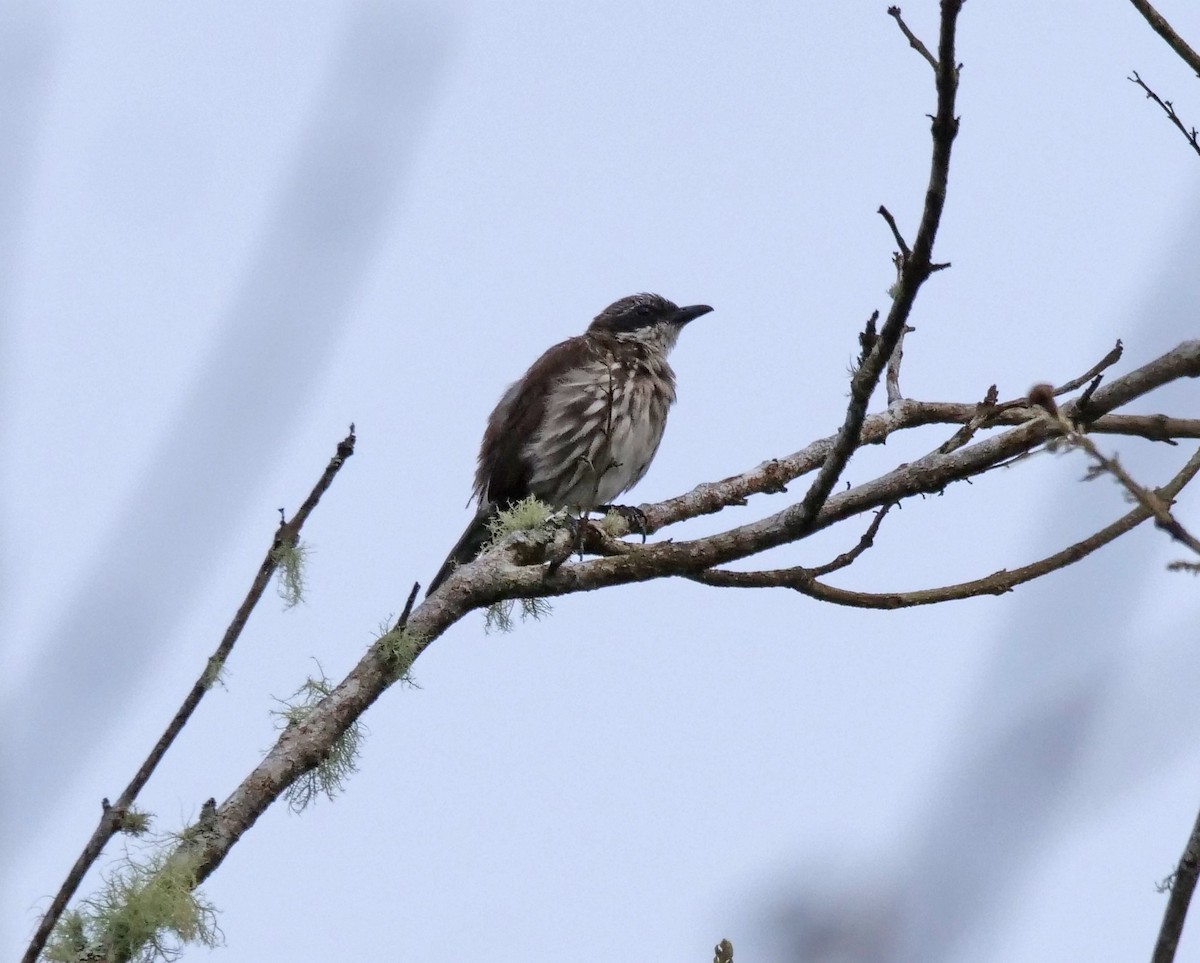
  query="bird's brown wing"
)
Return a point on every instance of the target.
[{"x": 502, "y": 474}]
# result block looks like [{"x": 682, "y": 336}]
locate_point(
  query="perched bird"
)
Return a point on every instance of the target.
[{"x": 584, "y": 423}]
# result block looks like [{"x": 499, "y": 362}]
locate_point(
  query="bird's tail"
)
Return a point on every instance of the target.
[{"x": 467, "y": 547}]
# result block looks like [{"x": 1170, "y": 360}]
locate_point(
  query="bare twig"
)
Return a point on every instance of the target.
[
  {"x": 1084, "y": 401},
  {"x": 1103, "y": 364},
  {"x": 1183, "y": 884},
  {"x": 802, "y": 574},
  {"x": 408, "y": 607},
  {"x": 113, "y": 816},
  {"x": 1167, "y": 32},
  {"x": 891, "y": 222},
  {"x": 1169, "y": 109},
  {"x": 849, "y": 558},
  {"x": 913, "y": 41}
]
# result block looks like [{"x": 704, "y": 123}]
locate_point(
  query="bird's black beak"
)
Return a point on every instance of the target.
[{"x": 690, "y": 313}]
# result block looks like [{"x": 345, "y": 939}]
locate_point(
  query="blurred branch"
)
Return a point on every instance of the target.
[
  {"x": 1167, "y": 32},
  {"x": 115, "y": 816},
  {"x": 1182, "y": 885}
]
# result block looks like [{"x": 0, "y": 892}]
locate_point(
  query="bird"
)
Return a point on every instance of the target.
[{"x": 582, "y": 425}]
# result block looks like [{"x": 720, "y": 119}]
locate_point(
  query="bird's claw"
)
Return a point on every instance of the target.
[
  {"x": 578, "y": 529},
  {"x": 634, "y": 517},
  {"x": 578, "y": 525}
]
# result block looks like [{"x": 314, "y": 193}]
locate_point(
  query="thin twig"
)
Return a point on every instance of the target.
[
  {"x": 1167, "y": 32},
  {"x": 1103, "y": 364},
  {"x": 1083, "y": 402},
  {"x": 850, "y": 557},
  {"x": 913, "y": 41},
  {"x": 1183, "y": 884},
  {"x": 113, "y": 816},
  {"x": 408, "y": 607},
  {"x": 1169, "y": 109},
  {"x": 891, "y": 222}
]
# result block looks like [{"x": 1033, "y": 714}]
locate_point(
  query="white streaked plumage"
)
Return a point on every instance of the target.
[
  {"x": 611, "y": 445},
  {"x": 583, "y": 424}
]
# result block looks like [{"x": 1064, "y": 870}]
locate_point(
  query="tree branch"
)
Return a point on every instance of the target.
[
  {"x": 493, "y": 576},
  {"x": 1182, "y": 885},
  {"x": 998, "y": 583},
  {"x": 1159, "y": 23}
]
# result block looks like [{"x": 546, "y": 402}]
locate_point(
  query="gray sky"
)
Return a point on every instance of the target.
[{"x": 231, "y": 231}]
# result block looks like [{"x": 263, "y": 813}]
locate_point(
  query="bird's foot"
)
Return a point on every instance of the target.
[
  {"x": 578, "y": 527},
  {"x": 634, "y": 517}
]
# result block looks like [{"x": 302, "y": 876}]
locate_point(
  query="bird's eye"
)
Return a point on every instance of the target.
[{"x": 643, "y": 310}]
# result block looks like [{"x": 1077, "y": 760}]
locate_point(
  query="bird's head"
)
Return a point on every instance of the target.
[{"x": 649, "y": 318}]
